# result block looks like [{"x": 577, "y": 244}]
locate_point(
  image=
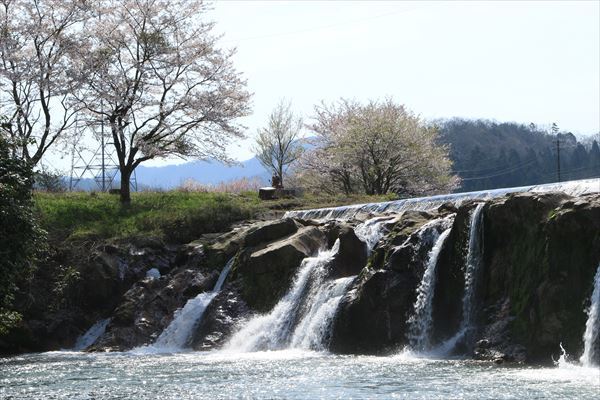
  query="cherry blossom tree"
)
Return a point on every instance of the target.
[
  {"x": 375, "y": 148},
  {"x": 37, "y": 40},
  {"x": 155, "y": 74}
]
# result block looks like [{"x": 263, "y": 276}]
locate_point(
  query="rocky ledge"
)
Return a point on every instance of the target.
[{"x": 540, "y": 253}]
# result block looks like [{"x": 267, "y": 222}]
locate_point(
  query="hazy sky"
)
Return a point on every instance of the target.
[
  {"x": 535, "y": 61},
  {"x": 509, "y": 61}
]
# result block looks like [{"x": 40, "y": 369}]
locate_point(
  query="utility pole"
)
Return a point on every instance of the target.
[
  {"x": 558, "y": 159},
  {"x": 102, "y": 145},
  {"x": 555, "y": 131}
]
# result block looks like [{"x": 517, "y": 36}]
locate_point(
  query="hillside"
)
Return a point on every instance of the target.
[{"x": 489, "y": 155}]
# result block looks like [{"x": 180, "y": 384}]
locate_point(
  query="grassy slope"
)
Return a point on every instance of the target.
[{"x": 174, "y": 216}]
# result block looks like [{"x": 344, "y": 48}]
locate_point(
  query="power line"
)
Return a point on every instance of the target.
[
  {"x": 507, "y": 171},
  {"x": 271, "y": 35}
]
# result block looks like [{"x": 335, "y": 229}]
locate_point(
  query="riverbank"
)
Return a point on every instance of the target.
[{"x": 174, "y": 216}]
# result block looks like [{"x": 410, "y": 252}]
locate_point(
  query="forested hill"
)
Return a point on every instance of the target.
[{"x": 490, "y": 155}]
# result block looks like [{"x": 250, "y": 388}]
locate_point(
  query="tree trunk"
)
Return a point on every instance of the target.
[{"x": 125, "y": 188}]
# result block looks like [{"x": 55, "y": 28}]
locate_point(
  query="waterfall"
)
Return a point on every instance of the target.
[
  {"x": 176, "y": 336},
  {"x": 572, "y": 188},
  {"x": 302, "y": 318},
  {"x": 371, "y": 231},
  {"x": 419, "y": 323},
  {"x": 313, "y": 330},
  {"x": 474, "y": 255},
  {"x": 91, "y": 335},
  {"x": 591, "y": 337}
]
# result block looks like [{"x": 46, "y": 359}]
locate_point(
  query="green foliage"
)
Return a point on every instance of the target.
[
  {"x": 65, "y": 286},
  {"x": 20, "y": 236},
  {"x": 49, "y": 181}
]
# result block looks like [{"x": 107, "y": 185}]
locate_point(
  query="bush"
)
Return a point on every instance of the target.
[{"x": 20, "y": 236}]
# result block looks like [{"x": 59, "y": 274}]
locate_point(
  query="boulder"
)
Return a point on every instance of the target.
[
  {"x": 371, "y": 318},
  {"x": 352, "y": 255},
  {"x": 267, "y": 232},
  {"x": 266, "y": 274},
  {"x": 220, "y": 319}
]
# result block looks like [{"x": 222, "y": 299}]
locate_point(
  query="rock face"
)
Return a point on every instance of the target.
[
  {"x": 540, "y": 259},
  {"x": 148, "y": 307},
  {"x": 534, "y": 281},
  {"x": 372, "y": 316},
  {"x": 220, "y": 319},
  {"x": 266, "y": 273},
  {"x": 78, "y": 285},
  {"x": 352, "y": 255}
]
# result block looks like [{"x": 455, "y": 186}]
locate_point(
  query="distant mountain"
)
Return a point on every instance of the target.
[
  {"x": 172, "y": 176},
  {"x": 214, "y": 172}
]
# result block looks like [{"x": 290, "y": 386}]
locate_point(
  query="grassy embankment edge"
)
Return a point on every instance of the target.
[{"x": 173, "y": 216}]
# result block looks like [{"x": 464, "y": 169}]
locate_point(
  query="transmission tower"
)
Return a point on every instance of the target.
[{"x": 98, "y": 161}]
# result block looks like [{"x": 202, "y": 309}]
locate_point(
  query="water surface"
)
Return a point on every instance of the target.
[{"x": 289, "y": 374}]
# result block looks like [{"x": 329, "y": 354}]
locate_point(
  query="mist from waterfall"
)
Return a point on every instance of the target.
[
  {"x": 419, "y": 323},
  {"x": 176, "y": 336},
  {"x": 591, "y": 336},
  {"x": 302, "y": 318}
]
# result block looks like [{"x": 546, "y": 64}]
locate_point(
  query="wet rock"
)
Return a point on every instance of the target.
[
  {"x": 220, "y": 319},
  {"x": 541, "y": 253},
  {"x": 371, "y": 318},
  {"x": 352, "y": 254},
  {"x": 148, "y": 307},
  {"x": 267, "y": 232},
  {"x": 266, "y": 274}
]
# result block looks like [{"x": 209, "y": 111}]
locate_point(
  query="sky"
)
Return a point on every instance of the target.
[
  {"x": 535, "y": 61},
  {"x": 507, "y": 61}
]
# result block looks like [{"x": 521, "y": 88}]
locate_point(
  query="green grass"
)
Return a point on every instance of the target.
[{"x": 175, "y": 216}]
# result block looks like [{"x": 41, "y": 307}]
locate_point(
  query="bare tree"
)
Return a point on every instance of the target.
[
  {"x": 37, "y": 38},
  {"x": 155, "y": 74},
  {"x": 376, "y": 148},
  {"x": 279, "y": 145}
]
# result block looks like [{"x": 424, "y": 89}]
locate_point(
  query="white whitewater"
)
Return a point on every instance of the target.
[
  {"x": 419, "y": 323},
  {"x": 303, "y": 317},
  {"x": 591, "y": 336},
  {"x": 175, "y": 337},
  {"x": 371, "y": 231},
  {"x": 572, "y": 188},
  {"x": 91, "y": 335},
  {"x": 474, "y": 255}
]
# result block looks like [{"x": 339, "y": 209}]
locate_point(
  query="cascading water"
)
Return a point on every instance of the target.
[
  {"x": 91, "y": 335},
  {"x": 572, "y": 188},
  {"x": 473, "y": 262},
  {"x": 419, "y": 323},
  {"x": 474, "y": 255},
  {"x": 371, "y": 231},
  {"x": 175, "y": 337},
  {"x": 591, "y": 337},
  {"x": 302, "y": 318}
]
